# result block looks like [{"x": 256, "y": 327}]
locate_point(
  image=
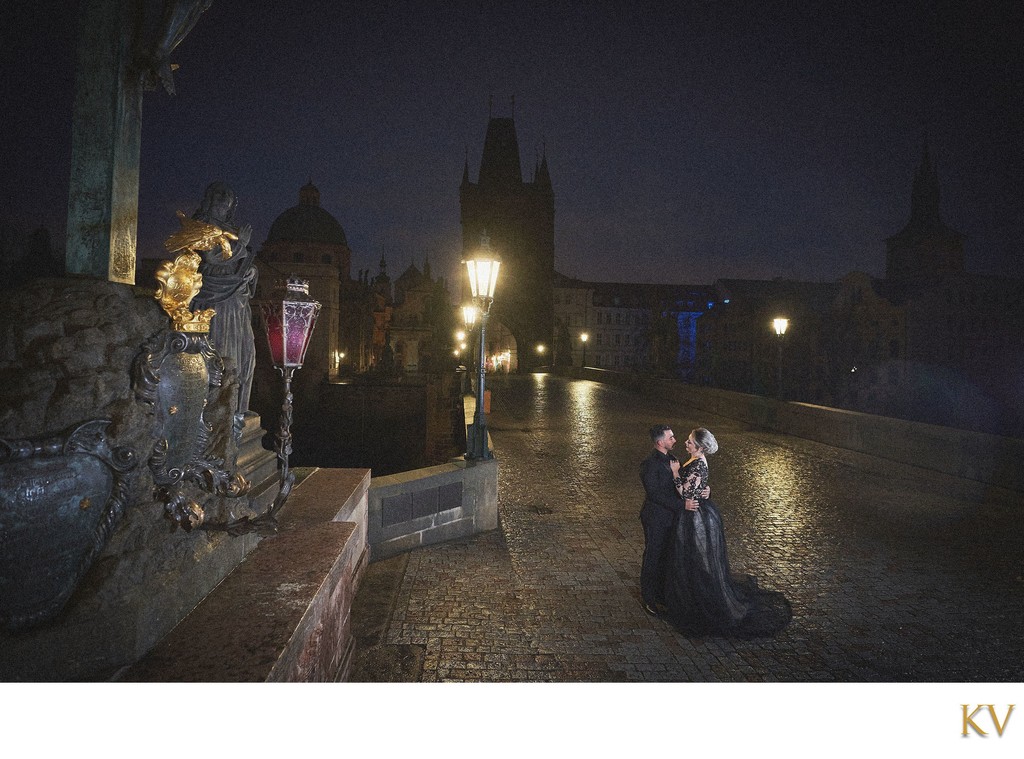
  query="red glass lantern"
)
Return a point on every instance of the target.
[{"x": 289, "y": 321}]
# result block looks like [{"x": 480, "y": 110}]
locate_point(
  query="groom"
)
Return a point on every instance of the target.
[{"x": 658, "y": 514}]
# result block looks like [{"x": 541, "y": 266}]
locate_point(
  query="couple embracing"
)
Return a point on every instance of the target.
[{"x": 685, "y": 577}]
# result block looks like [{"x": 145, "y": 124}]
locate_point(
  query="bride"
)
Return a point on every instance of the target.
[{"x": 701, "y": 595}]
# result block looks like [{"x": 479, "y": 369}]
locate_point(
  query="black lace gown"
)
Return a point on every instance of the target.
[{"x": 702, "y": 596}]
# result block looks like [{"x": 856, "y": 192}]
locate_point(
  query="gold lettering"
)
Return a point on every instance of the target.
[
  {"x": 995, "y": 720},
  {"x": 969, "y": 720}
]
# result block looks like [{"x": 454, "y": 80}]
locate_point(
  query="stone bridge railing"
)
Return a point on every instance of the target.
[
  {"x": 431, "y": 505},
  {"x": 989, "y": 459}
]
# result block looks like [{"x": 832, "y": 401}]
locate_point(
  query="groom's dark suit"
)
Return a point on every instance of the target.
[{"x": 661, "y": 506}]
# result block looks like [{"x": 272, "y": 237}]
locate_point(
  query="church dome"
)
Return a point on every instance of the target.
[{"x": 307, "y": 222}]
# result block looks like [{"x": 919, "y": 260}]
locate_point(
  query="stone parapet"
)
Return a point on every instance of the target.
[
  {"x": 989, "y": 459},
  {"x": 284, "y": 614},
  {"x": 432, "y": 505}
]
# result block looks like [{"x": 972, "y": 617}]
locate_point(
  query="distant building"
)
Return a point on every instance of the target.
[
  {"x": 958, "y": 360},
  {"x": 865, "y": 346},
  {"x": 519, "y": 219},
  {"x": 308, "y": 242},
  {"x": 422, "y": 321},
  {"x": 572, "y": 317},
  {"x": 629, "y": 326},
  {"x": 738, "y": 348},
  {"x": 930, "y": 341}
]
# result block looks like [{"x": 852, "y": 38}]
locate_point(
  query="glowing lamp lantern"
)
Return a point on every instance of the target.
[
  {"x": 288, "y": 319},
  {"x": 780, "y": 325},
  {"x": 483, "y": 275},
  {"x": 482, "y": 270},
  {"x": 289, "y": 322}
]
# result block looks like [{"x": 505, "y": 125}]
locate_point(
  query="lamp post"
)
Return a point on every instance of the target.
[
  {"x": 469, "y": 314},
  {"x": 583, "y": 339},
  {"x": 482, "y": 268},
  {"x": 289, "y": 319},
  {"x": 780, "y": 325}
]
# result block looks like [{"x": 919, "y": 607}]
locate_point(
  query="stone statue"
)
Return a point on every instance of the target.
[{"x": 228, "y": 284}]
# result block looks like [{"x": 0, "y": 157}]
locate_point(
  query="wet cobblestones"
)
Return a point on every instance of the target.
[{"x": 894, "y": 573}]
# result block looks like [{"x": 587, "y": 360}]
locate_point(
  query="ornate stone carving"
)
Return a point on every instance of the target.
[
  {"x": 60, "y": 498},
  {"x": 177, "y": 372}
]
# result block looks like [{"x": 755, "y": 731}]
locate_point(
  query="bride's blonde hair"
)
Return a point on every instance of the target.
[{"x": 705, "y": 440}]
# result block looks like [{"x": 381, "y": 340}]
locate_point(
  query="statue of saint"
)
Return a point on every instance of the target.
[{"x": 228, "y": 284}]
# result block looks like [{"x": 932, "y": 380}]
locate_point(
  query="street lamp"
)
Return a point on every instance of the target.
[
  {"x": 469, "y": 314},
  {"x": 482, "y": 268},
  {"x": 583, "y": 339},
  {"x": 289, "y": 319},
  {"x": 780, "y": 325}
]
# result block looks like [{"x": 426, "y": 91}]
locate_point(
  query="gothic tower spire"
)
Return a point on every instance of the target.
[
  {"x": 519, "y": 216},
  {"x": 926, "y": 247},
  {"x": 499, "y": 165}
]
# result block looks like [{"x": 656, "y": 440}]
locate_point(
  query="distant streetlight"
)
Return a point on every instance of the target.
[
  {"x": 583, "y": 339},
  {"x": 781, "y": 325},
  {"x": 540, "y": 348},
  {"x": 482, "y": 269}
]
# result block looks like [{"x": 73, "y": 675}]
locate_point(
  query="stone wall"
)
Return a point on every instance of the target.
[
  {"x": 431, "y": 505},
  {"x": 66, "y": 350},
  {"x": 284, "y": 614}
]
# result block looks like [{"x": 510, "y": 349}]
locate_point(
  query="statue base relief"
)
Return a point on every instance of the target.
[{"x": 256, "y": 463}]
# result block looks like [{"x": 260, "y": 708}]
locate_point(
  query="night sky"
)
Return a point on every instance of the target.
[{"x": 687, "y": 141}]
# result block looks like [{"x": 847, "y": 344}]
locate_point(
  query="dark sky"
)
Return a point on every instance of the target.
[{"x": 687, "y": 141}]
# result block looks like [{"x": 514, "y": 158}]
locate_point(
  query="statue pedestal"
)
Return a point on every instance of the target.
[{"x": 256, "y": 463}]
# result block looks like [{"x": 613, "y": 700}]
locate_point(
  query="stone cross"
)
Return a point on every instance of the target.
[{"x": 117, "y": 60}]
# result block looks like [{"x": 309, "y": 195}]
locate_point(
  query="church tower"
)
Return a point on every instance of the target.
[
  {"x": 926, "y": 246},
  {"x": 519, "y": 219}
]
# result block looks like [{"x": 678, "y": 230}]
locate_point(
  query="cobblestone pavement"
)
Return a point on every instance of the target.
[{"x": 894, "y": 573}]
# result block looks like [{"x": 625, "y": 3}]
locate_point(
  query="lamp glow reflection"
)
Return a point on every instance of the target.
[{"x": 482, "y": 269}]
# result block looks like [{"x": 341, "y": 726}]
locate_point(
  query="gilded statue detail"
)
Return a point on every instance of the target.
[{"x": 179, "y": 281}]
